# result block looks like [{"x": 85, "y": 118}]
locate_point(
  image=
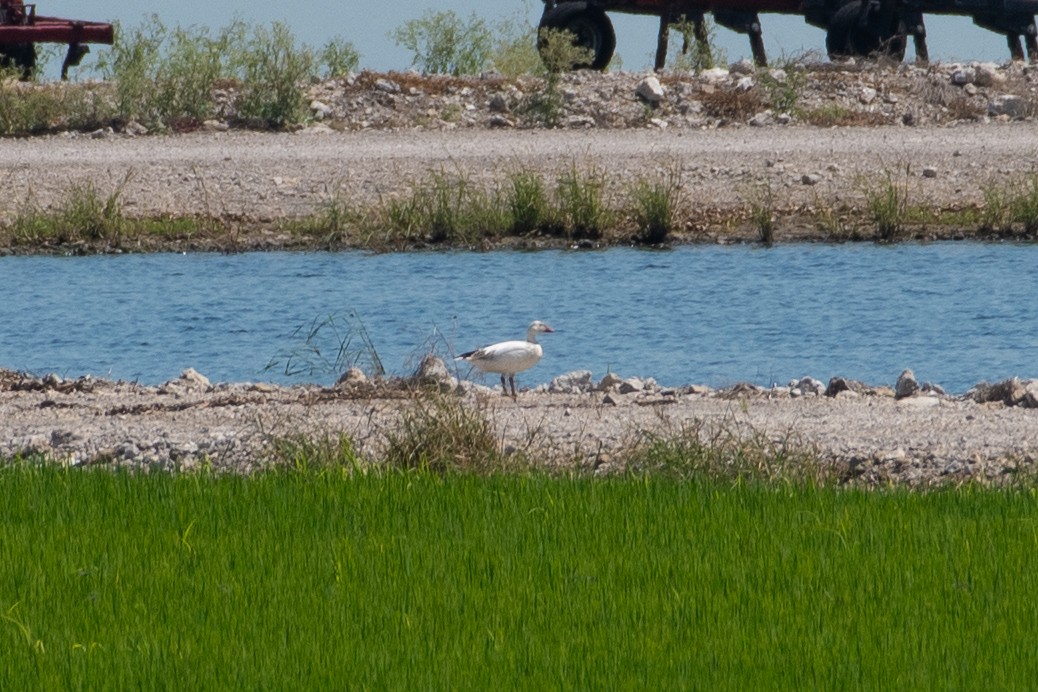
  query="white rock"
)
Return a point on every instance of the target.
[
  {"x": 650, "y": 89},
  {"x": 192, "y": 377},
  {"x": 576, "y": 382},
  {"x": 320, "y": 109},
  {"x": 762, "y": 119},
  {"x": 987, "y": 74},
  {"x": 809, "y": 385},
  {"x": 135, "y": 129},
  {"x": 714, "y": 75},
  {"x": 744, "y": 84}
]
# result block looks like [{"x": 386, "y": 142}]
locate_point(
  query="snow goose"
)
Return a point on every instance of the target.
[{"x": 509, "y": 357}]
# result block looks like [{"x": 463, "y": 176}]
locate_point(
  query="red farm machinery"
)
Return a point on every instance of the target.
[
  {"x": 21, "y": 29},
  {"x": 854, "y": 28}
]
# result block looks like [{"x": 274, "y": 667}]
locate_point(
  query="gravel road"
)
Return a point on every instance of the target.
[{"x": 263, "y": 176}]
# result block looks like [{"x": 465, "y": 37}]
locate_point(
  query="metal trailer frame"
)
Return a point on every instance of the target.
[
  {"x": 21, "y": 29},
  {"x": 854, "y": 28}
]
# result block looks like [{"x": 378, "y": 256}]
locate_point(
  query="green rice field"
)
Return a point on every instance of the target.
[{"x": 414, "y": 580}]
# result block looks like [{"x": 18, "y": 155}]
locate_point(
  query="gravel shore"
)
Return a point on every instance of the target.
[{"x": 868, "y": 438}]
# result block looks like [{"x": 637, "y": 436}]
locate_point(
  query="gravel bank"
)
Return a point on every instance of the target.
[{"x": 871, "y": 439}]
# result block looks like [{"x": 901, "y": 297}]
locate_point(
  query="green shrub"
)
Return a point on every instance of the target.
[
  {"x": 132, "y": 63},
  {"x": 997, "y": 213},
  {"x": 528, "y": 203},
  {"x": 887, "y": 203},
  {"x": 655, "y": 205},
  {"x": 515, "y": 48},
  {"x": 83, "y": 215},
  {"x": 164, "y": 78},
  {"x": 581, "y": 202},
  {"x": 1025, "y": 204},
  {"x": 761, "y": 199},
  {"x": 445, "y": 208},
  {"x": 784, "y": 91},
  {"x": 184, "y": 79},
  {"x": 339, "y": 58},
  {"x": 558, "y": 54},
  {"x": 26, "y": 108},
  {"x": 444, "y": 43},
  {"x": 273, "y": 72},
  {"x": 440, "y": 433},
  {"x": 701, "y": 53}
]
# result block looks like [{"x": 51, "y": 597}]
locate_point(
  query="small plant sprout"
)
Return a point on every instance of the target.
[
  {"x": 886, "y": 201},
  {"x": 761, "y": 200}
]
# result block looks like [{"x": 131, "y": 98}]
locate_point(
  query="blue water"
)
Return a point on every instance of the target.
[{"x": 956, "y": 313}]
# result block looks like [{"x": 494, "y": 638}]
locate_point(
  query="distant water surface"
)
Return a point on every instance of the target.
[{"x": 956, "y": 313}]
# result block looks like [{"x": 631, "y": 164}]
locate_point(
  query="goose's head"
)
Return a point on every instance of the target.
[{"x": 537, "y": 327}]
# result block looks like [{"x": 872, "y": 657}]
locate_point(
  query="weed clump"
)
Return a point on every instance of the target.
[
  {"x": 886, "y": 202},
  {"x": 558, "y": 53},
  {"x": 440, "y": 434},
  {"x": 726, "y": 453},
  {"x": 656, "y": 205},
  {"x": 85, "y": 215},
  {"x": 582, "y": 204},
  {"x": 528, "y": 203},
  {"x": 761, "y": 199}
]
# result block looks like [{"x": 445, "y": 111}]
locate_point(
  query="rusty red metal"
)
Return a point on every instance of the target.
[
  {"x": 19, "y": 23},
  {"x": 21, "y": 29}
]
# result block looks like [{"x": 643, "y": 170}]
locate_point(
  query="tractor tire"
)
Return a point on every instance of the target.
[
  {"x": 19, "y": 56},
  {"x": 590, "y": 27},
  {"x": 848, "y": 37}
]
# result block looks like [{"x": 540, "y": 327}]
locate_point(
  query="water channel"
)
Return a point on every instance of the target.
[{"x": 956, "y": 313}]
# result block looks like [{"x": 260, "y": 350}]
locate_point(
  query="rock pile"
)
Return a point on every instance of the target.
[{"x": 814, "y": 93}]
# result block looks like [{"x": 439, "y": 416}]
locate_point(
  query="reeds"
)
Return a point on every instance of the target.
[
  {"x": 580, "y": 203},
  {"x": 887, "y": 202}
]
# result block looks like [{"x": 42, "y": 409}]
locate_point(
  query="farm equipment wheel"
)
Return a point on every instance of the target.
[
  {"x": 19, "y": 56},
  {"x": 590, "y": 27},
  {"x": 849, "y": 36}
]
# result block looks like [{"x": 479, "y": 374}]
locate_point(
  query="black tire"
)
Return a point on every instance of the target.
[
  {"x": 21, "y": 56},
  {"x": 590, "y": 27},
  {"x": 847, "y": 36}
]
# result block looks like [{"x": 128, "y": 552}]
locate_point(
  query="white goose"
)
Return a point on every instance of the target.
[{"x": 509, "y": 357}]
